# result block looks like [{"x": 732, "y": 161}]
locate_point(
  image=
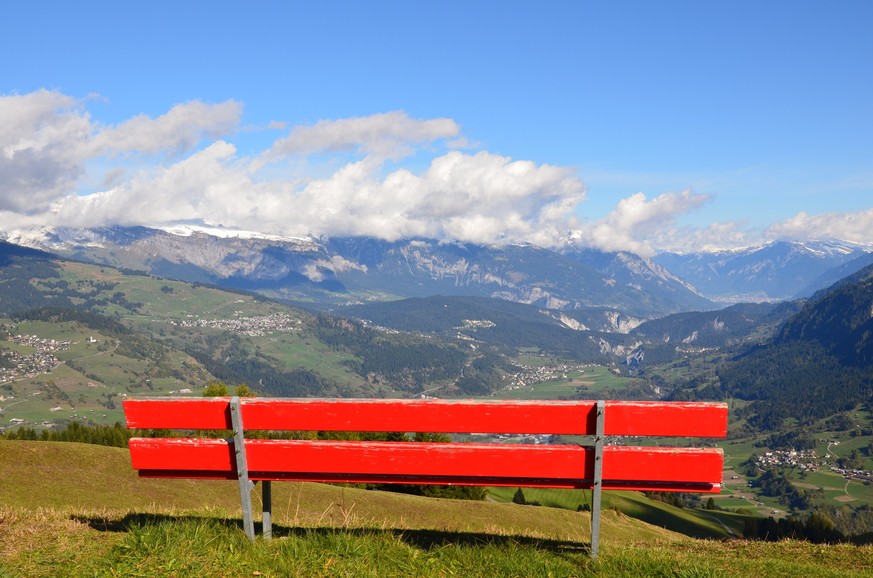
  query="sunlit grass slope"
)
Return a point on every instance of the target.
[
  {"x": 94, "y": 478},
  {"x": 78, "y": 510}
]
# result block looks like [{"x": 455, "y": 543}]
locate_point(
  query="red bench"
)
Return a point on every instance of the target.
[{"x": 597, "y": 466}]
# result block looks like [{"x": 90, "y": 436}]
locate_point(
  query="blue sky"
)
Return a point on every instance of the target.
[{"x": 639, "y": 125}]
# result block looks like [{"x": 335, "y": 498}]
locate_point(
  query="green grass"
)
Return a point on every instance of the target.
[
  {"x": 847, "y": 444},
  {"x": 57, "y": 475},
  {"x": 836, "y": 487},
  {"x": 77, "y": 510},
  {"x": 80, "y": 543},
  {"x": 688, "y": 521},
  {"x": 825, "y": 480},
  {"x": 304, "y": 352},
  {"x": 738, "y": 451},
  {"x": 156, "y": 304}
]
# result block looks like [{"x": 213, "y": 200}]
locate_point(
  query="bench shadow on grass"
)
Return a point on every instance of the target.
[{"x": 424, "y": 539}]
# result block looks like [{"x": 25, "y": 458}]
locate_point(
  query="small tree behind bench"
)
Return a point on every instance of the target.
[{"x": 594, "y": 465}]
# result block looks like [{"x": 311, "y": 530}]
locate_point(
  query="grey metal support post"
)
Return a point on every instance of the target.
[
  {"x": 598, "y": 478},
  {"x": 242, "y": 468},
  {"x": 267, "y": 495}
]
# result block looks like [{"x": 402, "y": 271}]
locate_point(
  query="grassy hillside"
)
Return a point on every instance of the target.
[
  {"x": 75, "y": 510},
  {"x": 90, "y": 371},
  {"x": 190, "y": 316},
  {"x": 79, "y": 476},
  {"x": 139, "y": 335}
]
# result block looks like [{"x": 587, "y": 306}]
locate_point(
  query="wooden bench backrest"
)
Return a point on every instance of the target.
[
  {"x": 624, "y": 418},
  {"x": 557, "y": 466}
]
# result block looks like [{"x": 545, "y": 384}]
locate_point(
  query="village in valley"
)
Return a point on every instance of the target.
[
  {"x": 533, "y": 374},
  {"x": 16, "y": 365},
  {"x": 810, "y": 461},
  {"x": 250, "y": 326}
]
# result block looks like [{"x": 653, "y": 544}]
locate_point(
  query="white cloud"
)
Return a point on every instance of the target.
[
  {"x": 47, "y": 138},
  {"x": 204, "y": 185},
  {"x": 713, "y": 237},
  {"x": 853, "y": 227},
  {"x": 176, "y": 132},
  {"x": 387, "y": 134},
  {"x": 43, "y": 144},
  {"x": 184, "y": 171},
  {"x": 638, "y": 224},
  {"x": 316, "y": 271},
  {"x": 478, "y": 198}
]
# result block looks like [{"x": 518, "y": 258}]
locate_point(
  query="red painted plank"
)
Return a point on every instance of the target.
[
  {"x": 438, "y": 416},
  {"x": 178, "y": 413},
  {"x": 586, "y": 484},
  {"x": 624, "y": 467},
  {"x": 691, "y": 419}
]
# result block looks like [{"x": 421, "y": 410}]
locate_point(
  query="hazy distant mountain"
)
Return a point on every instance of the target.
[
  {"x": 326, "y": 273},
  {"x": 652, "y": 281},
  {"x": 358, "y": 270},
  {"x": 776, "y": 271},
  {"x": 836, "y": 274}
]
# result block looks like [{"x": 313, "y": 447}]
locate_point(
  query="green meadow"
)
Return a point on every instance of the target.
[{"x": 77, "y": 510}]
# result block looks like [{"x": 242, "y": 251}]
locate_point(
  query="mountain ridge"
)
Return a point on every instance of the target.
[
  {"x": 818, "y": 362},
  {"x": 775, "y": 271},
  {"x": 323, "y": 273},
  {"x": 327, "y": 272}
]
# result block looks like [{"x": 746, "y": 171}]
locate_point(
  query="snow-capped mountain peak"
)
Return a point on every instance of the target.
[{"x": 189, "y": 228}]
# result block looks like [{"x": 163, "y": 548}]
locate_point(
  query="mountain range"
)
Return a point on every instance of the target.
[
  {"x": 773, "y": 272},
  {"x": 805, "y": 359},
  {"x": 330, "y": 272},
  {"x": 817, "y": 363}
]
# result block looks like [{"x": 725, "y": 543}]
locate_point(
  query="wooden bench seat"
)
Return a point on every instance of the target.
[{"x": 594, "y": 465}]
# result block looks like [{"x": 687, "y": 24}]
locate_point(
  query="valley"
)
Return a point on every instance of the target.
[
  {"x": 79, "y": 337},
  {"x": 148, "y": 336},
  {"x": 488, "y": 217}
]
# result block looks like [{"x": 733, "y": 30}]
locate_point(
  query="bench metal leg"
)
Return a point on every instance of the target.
[
  {"x": 598, "y": 479},
  {"x": 267, "y": 495},
  {"x": 242, "y": 469}
]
